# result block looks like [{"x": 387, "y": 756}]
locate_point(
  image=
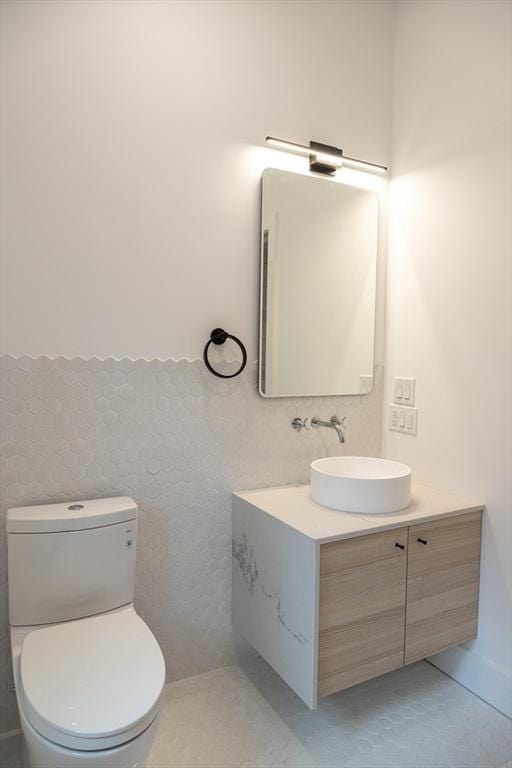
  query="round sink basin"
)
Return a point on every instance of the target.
[{"x": 361, "y": 484}]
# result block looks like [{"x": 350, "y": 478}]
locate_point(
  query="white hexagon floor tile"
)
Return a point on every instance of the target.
[{"x": 247, "y": 717}]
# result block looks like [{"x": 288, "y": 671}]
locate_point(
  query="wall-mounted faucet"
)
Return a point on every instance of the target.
[{"x": 334, "y": 423}]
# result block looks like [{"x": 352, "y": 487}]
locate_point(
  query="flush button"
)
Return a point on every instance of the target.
[{"x": 75, "y": 507}]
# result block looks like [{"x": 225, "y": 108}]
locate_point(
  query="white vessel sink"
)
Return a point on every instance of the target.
[{"x": 361, "y": 484}]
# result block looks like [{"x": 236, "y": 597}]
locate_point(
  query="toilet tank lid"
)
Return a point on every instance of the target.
[{"x": 71, "y": 515}]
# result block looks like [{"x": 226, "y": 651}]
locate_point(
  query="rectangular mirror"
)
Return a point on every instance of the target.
[{"x": 318, "y": 274}]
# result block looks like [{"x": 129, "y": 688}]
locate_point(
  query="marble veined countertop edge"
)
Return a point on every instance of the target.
[{"x": 293, "y": 506}]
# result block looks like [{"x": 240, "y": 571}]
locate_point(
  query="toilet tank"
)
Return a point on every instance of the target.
[{"x": 68, "y": 561}]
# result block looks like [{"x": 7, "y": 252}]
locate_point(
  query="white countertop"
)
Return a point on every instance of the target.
[{"x": 293, "y": 506}]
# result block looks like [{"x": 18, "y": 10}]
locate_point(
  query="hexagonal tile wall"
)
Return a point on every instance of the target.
[{"x": 179, "y": 441}]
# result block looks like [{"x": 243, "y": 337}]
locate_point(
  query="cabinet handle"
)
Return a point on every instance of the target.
[
  {"x": 400, "y": 546},
  {"x": 422, "y": 541}
]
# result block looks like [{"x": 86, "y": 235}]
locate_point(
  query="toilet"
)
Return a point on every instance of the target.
[{"x": 88, "y": 672}]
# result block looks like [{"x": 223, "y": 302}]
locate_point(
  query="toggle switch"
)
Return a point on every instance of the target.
[{"x": 404, "y": 390}]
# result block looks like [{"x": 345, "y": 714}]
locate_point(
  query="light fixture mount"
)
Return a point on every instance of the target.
[{"x": 325, "y": 158}]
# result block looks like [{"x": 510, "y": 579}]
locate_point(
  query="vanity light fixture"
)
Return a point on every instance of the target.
[{"x": 324, "y": 158}]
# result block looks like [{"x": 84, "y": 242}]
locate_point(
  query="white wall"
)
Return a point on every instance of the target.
[
  {"x": 449, "y": 311},
  {"x": 132, "y": 158}
]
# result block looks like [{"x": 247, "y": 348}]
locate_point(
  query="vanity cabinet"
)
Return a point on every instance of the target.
[
  {"x": 443, "y": 576},
  {"x": 330, "y": 602},
  {"x": 361, "y": 608},
  {"x": 389, "y": 599}
]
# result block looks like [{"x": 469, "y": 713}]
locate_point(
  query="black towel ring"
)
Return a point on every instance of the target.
[{"x": 219, "y": 336}]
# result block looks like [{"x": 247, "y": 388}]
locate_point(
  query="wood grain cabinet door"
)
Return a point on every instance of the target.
[
  {"x": 442, "y": 584},
  {"x": 361, "y": 608}
]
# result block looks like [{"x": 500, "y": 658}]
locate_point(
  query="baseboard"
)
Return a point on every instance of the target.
[{"x": 478, "y": 675}]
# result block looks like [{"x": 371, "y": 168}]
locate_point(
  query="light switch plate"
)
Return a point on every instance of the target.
[
  {"x": 403, "y": 418},
  {"x": 404, "y": 390},
  {"x": 365, "y": 383}
]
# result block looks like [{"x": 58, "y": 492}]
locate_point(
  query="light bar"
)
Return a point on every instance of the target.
[
  {"x": 324, "y": 158},
  {"x": 288, "y": 146},
  {"x": 363, "y": 165}
]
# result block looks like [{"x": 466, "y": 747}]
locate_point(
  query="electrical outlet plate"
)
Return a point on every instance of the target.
[
  {"x": 403, "y": 418},
  {"x": 404, "y": 390}
]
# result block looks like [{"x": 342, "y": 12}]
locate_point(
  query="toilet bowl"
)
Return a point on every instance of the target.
[{"x": 89, "y": 688}]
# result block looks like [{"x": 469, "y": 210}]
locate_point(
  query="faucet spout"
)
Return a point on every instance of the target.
[
  {"x": 339, "y": 431},
  {"x": 334, "y": 423}
]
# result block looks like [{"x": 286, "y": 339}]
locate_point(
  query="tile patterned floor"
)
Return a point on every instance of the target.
[{"x": 415, "y": 717}]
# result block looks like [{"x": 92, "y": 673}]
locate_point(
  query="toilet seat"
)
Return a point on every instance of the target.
[{"x": 92, "y": 683}]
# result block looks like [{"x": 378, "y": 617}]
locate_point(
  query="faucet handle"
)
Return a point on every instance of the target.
[
  {"x": 298, "y": 424},
  {"x": 339, "y": 422}
]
